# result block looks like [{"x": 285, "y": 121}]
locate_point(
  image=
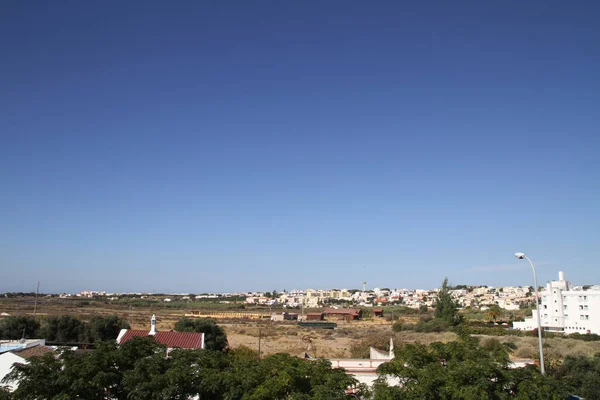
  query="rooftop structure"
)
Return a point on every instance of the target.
[
  {"x": 9, "y": 345},
  {"x": 170, "y": 339}
]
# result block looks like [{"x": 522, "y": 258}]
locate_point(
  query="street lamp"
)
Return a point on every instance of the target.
[{"x": 522, "y": 256}]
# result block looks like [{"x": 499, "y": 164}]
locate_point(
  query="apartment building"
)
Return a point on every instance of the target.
[{"x": 566, "y": 308}]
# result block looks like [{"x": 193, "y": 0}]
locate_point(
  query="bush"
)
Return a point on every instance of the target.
[
  {"x": 490, "y": 330},
  {"x": 400, "y": 326},
  {"x": 397, "y": 327},
  {"x": 493, "y": 344},
  {"x": 586, "y": 337},
  {"x": 434, "y": 325},
  {"x": 526, "y": 351}
]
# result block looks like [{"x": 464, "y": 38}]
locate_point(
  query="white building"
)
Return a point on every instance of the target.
[
  {"x": 566, "y": 309},
  {"x": 6, "y": 362}
]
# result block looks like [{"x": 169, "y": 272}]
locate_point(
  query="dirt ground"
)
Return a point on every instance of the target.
[{"x": 329, "y": 343}]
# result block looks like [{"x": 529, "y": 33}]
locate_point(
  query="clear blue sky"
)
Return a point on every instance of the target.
[{"x": 197, "y": 146}]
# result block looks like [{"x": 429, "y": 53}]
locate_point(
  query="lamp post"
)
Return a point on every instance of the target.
[{"x": 522, "y": 256}]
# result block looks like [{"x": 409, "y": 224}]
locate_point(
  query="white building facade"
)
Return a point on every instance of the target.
[{"x": 566, "y": 309}]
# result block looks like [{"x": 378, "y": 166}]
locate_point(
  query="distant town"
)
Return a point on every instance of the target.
[{"x": 473, "y": 296}]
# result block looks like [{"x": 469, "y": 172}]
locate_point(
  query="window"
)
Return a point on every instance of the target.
[
  {"x": 585, "y": 307},
  {"x": 545, "y": 307},
  {"x": 587, "y": 317},
  {"x": 581, "y": 317},
  {"x": 566, "y": 316},
  {"x": 581, "y": 307},
  {"x": 584, "y": 298},
  {"x": 565, "y": 307}
]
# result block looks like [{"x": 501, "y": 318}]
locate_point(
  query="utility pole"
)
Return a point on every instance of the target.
[{"x": 37, "y": 292}]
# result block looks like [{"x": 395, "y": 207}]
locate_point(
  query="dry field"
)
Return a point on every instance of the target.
[{"x": 331, "y": 343}]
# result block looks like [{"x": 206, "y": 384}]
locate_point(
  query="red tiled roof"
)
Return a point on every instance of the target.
[
  {"x": 314, "y": 313},
  {"x": 183, "y": 340},
  {"x": 353, "y": 311}
]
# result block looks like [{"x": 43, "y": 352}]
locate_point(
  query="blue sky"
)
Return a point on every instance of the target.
[{"x": 215, "y": 146}]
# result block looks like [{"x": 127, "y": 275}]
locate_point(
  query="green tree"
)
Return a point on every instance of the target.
[
  {"x": 105, "y": 328},
  {"x": 64, "y": 329},
  {"x": 462, "y": 370},
  {"x": 215, "y": 337},
  {"x": 581, "y": 373},
  {"x": 17, "y": 327},
  {"x": 281, "y": 376},
  {"x": 39, "y": 379},
  {"x": 446, "y": 309},
  {"x": 140, "y": 370},
  {"x": 94, "y": 375}
]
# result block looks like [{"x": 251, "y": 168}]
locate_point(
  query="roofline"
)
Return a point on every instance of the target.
[{"x": 121, "y": 334}]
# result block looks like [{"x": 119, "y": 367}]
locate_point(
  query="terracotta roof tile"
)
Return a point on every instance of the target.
[{"x": 183, "y": 340}]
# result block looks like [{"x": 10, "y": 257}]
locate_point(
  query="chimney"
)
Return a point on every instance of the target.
[
  {"x": 561, "y": 276},
  {"x": 152, "y": 325}
]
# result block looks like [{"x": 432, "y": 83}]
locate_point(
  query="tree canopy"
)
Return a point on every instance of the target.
[
  {"x": 17, "y": 327},
  {"x": 581, "y": 373},
  {"x": 463, "y": 369},
  {"x": 63, "y": 328},
  {"x": 140, "y": 370}
]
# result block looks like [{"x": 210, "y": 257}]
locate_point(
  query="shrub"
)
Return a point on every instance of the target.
[
  {"x": 397, "y": 327},
  {"x": 434, "y": 325},
  {"x": 586, "y": 337},
  {"x": 526, "y": 351}
]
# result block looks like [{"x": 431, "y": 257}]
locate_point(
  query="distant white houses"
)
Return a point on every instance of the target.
[{"x": 566, "y": 309}]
